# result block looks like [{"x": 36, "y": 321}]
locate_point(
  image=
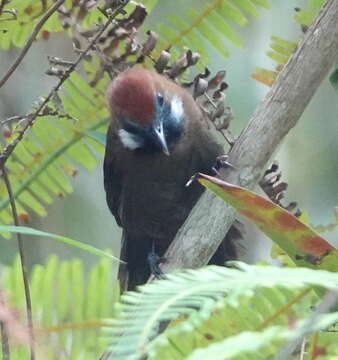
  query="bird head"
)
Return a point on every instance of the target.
[{"x": 149, "y": 110}]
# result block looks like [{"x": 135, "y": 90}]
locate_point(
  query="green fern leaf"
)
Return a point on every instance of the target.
[
  {"x": 61, "y": 314},
  {"x": 224, "y": 29},
  {"x": 283, "y": 49},
  {"x": 28, "y": 15},
  {"x": 254, "y": 344},
  {"x": 211, "y": 23},
  {"x": 279, "y": 58},
  {"x": 307, "y": 15},
  {"x": 44, "y": 162},
  {"x": 206, "y": 31},
  {"x": 232, "y": 12},
  {"x": 219, "y": 303},
  {"x": 280, "y": 52},
  {"x": 248, "y": 6}
]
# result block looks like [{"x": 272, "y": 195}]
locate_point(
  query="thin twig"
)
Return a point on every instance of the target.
[
  {"x": 44, "y": 5},
  {"x": 4, "y": 334},
  {"x": 2, "y": 5},
  {"x": 30, "y": 41},
  {"x": 12, "y": 15},
  {"x": 11, "y": 146},
  {"x": 18, "y": 119},
  {"x": 303, "y": 349},
  {"x": 22, "y": 259}
]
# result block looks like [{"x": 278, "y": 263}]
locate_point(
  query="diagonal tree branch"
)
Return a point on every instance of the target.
[{"x": 274, "y": 117}]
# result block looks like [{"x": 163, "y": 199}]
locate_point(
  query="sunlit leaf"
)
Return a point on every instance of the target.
[{"x": 299, "y": 241}]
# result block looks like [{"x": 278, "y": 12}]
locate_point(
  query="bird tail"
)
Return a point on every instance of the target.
[
  {"x": 136, "y": 248},
  {"x": 134, "y": 252}
]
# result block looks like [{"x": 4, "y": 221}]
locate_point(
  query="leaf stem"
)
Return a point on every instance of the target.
[{"x": 282, "y": 310}]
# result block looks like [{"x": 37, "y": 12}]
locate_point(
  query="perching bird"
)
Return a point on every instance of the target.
[{"x": 156, "y": 141}]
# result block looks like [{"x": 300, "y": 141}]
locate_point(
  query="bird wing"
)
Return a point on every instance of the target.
[
  {"x": 116, "y": 197},
  {"x": 112, "y": 178},
  {"x": 113, "y": 187}
]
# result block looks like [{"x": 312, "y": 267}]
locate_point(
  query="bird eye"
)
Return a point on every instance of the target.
[{"x": 160, "y": 99}]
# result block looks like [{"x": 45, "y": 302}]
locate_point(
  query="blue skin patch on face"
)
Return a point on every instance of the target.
[{"x": 168, "y": 115}]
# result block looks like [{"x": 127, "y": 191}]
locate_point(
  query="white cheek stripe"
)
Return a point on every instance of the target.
[
  {"x": 177, "y": 108},
  {"x": 128, "y": 140}
]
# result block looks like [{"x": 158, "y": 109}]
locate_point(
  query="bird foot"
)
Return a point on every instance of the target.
[
  {"x": 221, "y": 163},
  {"x": 154, "y": 262}
]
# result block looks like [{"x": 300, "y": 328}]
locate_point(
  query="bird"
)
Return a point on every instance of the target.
[{"x": 157, "y": 139}]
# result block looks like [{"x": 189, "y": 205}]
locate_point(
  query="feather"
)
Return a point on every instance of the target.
[{"x": 146, "y": 190}]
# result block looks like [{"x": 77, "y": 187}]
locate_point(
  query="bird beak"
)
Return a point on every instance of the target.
[{"x": 161, "y": 138}]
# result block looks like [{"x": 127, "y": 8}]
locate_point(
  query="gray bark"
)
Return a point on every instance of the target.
[{"x": 274, "y": 117}]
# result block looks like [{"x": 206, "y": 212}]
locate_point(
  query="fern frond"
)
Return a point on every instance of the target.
[
  {"x": 307, "y": 15},
  {"x": 46, "y": 159},
  {"x": 28, "y": 15},
  {"x": 219, "y": 303},
  {"x": 67, "y": 313},
  {"x": 17, "y": 31},
  {"x": 281, "y": 50},
  {"x": 255, "y": 344},
  {"x": 214, "y": 23}
]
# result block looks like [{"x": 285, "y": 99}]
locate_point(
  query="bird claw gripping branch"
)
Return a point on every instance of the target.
[
  {"x": 221, "y": 163},
  {"x": 158, "y": 138},
  {"x": 154, "y": 262}
]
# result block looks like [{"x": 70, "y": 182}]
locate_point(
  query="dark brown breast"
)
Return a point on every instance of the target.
[{"x": 151, "y": 193}]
